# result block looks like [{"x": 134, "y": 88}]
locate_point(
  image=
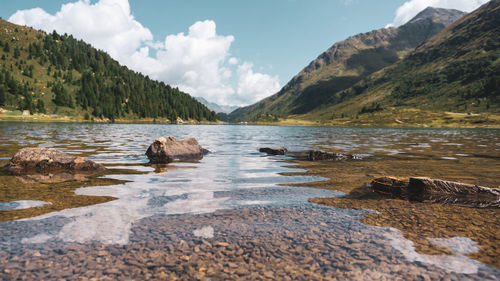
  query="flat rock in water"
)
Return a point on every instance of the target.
[
  {"x": 274, "y": 151},
  {"x": 169, "y": 149},
  {"x": 319, "y": 155},
  {"x": 47, "y": 160}
]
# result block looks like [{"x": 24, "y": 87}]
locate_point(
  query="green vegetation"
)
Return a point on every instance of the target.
[
  {"x": 331, "y": 77},
  {"x": 456, "y": 71},
  {"x": 451, "y": 80},
  {"x": 57, "y": 74}
]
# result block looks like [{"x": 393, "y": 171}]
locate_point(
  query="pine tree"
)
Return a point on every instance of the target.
[
  {"x": 2, "y": 95},
  {"x": 17, "y": 53},
  {"x": 40, "y": 106},
  {"x": 6, "y": 47}
]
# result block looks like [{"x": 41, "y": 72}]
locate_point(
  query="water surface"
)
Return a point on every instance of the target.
[{"x": 227, "y": 215}]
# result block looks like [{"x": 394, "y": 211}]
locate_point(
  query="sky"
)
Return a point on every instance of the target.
[{"x": 231, "y": 52}]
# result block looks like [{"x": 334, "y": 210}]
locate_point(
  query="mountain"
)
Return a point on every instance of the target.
[
  {"x": 346, "y": 63},
  {"x": 57, "y": 74},
  {"x": 217, "y": 108},
  {"x": 457, "y": 70}
]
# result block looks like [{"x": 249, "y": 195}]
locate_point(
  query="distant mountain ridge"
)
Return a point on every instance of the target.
[
  {"x": 456, "y": 70},
  {"x": 346, "y": 63},
  {"x": 216, "y": 107}
]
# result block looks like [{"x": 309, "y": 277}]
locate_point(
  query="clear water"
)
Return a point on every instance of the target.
[
  {"x": 232, "y": 178},
  {"x": 21, "y": 204}
]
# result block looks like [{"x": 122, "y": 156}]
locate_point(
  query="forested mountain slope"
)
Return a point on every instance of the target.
[{"x": 57, "y": 74}]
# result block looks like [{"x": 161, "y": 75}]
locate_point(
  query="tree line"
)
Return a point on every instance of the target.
[{"x": 87, "y": 78}]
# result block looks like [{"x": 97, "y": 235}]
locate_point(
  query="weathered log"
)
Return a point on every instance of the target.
[
  {"x": 390, "y": 186},
  {"x": 422, "y": 185},
  {"x": 437, "y": 191},
  {"x": 274, "y": 151},
  {"x": 166, "y": 150}
]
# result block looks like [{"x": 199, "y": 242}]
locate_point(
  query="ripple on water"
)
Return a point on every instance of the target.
[{"x": 233, "y": 193}]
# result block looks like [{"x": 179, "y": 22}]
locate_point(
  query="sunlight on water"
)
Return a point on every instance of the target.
[
  {"x": 21, "y": 204},
  {"x": 231, "y": 180}
]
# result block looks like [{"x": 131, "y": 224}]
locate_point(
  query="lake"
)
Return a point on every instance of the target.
[{"x": 236, "y": 213}]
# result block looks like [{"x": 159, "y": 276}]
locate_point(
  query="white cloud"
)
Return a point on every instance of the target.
[
  {"x": 411, "y": 8},
  {"x": 233, "y": 61},
  {"x": 195, "y": 61},
  {"x": 107, "y": 25},
  {"x": 198, "y": 62},
  {"x": 253, "y": 86}
]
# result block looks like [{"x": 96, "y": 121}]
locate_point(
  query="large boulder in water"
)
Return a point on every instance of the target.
[
  {"x": 47, "y": 160},
  {"x": 169, "y": 149}
]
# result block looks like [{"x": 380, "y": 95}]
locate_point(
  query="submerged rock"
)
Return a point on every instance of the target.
[
  {"x": 169, "y": 149},
  {"x": 437, "y": 191},
  {"x": 274, "y": 151},
  {"x": 318, "y": 155},
  {"x": 47, "y": 160}
]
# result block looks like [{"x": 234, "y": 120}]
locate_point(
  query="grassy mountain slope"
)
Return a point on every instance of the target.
[
  {"x": 456, "y": 71},
  {"x": 346, "y": 63},
  {"x": 57, "y": 74}
]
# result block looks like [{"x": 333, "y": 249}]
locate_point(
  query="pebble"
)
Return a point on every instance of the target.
[{"x": 262, "y": 252}]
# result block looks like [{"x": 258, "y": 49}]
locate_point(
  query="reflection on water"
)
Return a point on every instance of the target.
[
  {"x": 233, "y": 182},
  {"x": 459, "y": 245},
  {"x": 455, "y": 263},
  {"x": 204, "y": 232},
  {"x": 21, "y": 204}
]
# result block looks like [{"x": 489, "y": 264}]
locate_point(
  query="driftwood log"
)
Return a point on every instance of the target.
[{"x": 435, "y": 190}]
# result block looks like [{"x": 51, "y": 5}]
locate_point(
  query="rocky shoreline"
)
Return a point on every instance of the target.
[{"x": 417, "y": 220}]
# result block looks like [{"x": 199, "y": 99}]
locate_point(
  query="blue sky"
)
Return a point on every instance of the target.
[{"x": 253, "y": 47}]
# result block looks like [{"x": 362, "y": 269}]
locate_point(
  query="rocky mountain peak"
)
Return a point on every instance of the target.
[{"x": 437, "y": 15}]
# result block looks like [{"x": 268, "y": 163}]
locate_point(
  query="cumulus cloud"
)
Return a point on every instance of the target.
[
  {"x": 233, "y": 61},
  {"x": 254, "y": 86},
  {"x": 107, "y": 25},
  {"x": 411, "y": 8},
  {"x": 195, "y": 61},
  {"x": 198, "y": 62}
]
